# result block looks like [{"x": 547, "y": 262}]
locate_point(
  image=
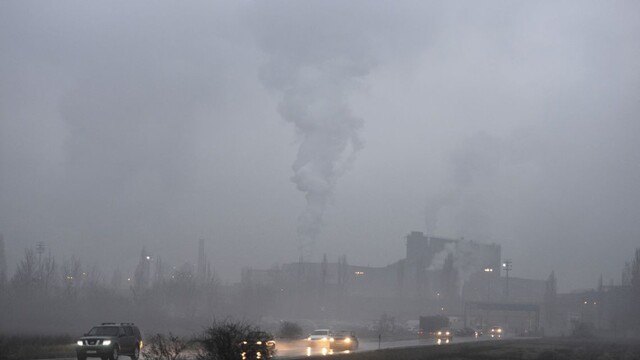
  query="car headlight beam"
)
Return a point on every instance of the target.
[
  {"x": 106, "y": 342},
  {"x": 79, "y": 342}
]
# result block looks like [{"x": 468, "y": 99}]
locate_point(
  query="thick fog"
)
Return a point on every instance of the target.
[{"x": 280, "y": 129}]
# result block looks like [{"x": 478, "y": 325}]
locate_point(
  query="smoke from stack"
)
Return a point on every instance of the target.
[
  {"x": 461, "y": 203},
  {"x": 313, "y": 67}
]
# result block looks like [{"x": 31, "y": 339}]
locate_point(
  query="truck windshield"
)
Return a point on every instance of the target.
[{"x": 104, "y": 331}]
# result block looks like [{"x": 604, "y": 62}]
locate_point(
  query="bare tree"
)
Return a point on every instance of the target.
[
  {"x": 3, "y": 265},
  {"x": 92, "y": 278},
  {"x": 635, "y": 288},
  {"x": 142, "y": 275},
  {"x": 24, "y": 279},
  {"x": 626, "y": 275},
  {"x": 222, "y": 340},
  {"x": 166, "y": 347},
  {"x": 116, "y": 280},
  {"x": 289, "y": 330},
  {"x": 46, "y": 273},
  {"x": 71, "y": 277}
]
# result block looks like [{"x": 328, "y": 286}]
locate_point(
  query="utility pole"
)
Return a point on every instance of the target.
[
  {"x": 40, "y": 249},
  {"x": 488, "y": 271},
  {"x": 506, "y": 266}
]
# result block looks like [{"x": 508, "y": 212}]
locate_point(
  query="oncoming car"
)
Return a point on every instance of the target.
[
  {"x": 443, "y": 336},
  {"x": 109, "y": 341},
  {"x": 496, "y": 332},
  {"x": 344, "y": 340},
  {"x": 319, "y": 338},
  {"x": 258, "y": 345}
]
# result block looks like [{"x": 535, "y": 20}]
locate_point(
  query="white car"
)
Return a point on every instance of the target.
[{"x": 320, "y": 338}]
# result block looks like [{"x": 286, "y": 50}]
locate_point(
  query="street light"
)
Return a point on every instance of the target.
[
  {"x": 488, "y": 270},
  {"x": 506, "y": 266}
]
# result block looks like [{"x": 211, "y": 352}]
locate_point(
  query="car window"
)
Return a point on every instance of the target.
[
  {"x": 320, "y": 332},
  {"x": 104, "y": 331},
  {"x": 128, "y": 330}
]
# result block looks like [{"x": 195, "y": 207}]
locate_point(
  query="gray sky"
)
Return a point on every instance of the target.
[{"x": 125, "y": 124}]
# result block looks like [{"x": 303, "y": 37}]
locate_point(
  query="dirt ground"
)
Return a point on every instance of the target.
[{"x": 526, "y": 349}]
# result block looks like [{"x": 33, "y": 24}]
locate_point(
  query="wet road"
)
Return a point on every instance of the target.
[{"x": 298, "y": 349}]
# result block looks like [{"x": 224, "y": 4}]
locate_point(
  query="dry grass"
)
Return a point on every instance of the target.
[{"x": 36, "y": 347}]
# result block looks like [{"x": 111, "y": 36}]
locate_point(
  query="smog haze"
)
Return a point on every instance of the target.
[{"x": 280, "y": 129}]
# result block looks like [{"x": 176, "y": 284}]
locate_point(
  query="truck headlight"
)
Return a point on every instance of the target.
[
  {"x": 79, "y": 342},
  {"x": 106, "y": 342}
]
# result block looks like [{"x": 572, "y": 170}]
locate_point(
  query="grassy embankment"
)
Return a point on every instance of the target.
[{"x": 36, "y": 347}]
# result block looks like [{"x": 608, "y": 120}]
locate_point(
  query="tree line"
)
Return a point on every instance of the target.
[{"x": 45, "y": 295}]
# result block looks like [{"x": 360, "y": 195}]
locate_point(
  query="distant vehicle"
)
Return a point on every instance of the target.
[
  {"x": 319, "y": 338},
  {"x": 479, "y": 332},
  {"x": 496, "y": 331},
  {"x": 467, "y": 331},
  {"x": 435, "y": 327},
  {"x": 109, "y": 341},
  {"x": 444, "y": 335},
  {"x": 258, "y": 345},
  {"x": 344, "y": 340}
]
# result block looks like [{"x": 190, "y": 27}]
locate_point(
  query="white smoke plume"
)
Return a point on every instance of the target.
[
  {"x": 437, "y": 263},
  {"x": 313, "y": 64},
  {"x": 464, "y": 261},
  {"x": 461, "y": 200}
]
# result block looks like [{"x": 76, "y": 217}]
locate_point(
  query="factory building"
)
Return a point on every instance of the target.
[
  {"x": 431, "y": 278},
  {"x": 459, "y": 278}
]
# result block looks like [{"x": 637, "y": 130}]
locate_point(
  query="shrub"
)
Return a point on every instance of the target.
[
  {"x": 222, "y": 340},
  {"x": 165, "y": 347},
  {"x": 289, "y": 330}
]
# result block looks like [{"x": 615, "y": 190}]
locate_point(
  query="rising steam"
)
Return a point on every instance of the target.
[
  {"x": 313, "y": 67},
  {"x": 462, "y": 200}
]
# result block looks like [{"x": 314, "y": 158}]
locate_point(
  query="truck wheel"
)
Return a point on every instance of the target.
[
  {"x": 114, "y": 354},
  {"x": 136, "y": 353}
]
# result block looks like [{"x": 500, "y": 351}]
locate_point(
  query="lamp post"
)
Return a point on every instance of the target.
[
  {"x": 488, "y": 271},
  {"x": 506, "y": 266}
]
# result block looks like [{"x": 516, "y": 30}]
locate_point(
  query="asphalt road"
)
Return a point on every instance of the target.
[{"x": 299, "y": 349}]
